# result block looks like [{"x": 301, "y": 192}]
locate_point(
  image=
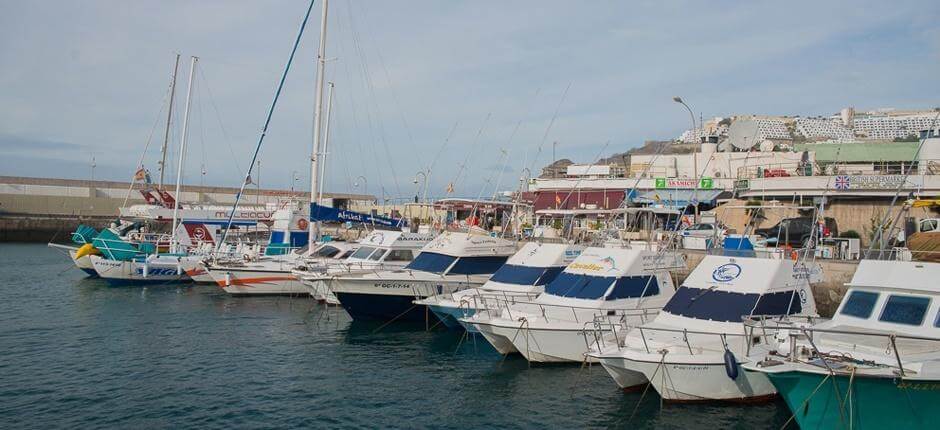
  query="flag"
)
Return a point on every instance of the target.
[
  {"x": 450, "y": 188},
  {"x": 140, "y": 174}
]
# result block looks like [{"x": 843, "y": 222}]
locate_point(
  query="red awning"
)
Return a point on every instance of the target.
[{"x": 568, "y": 199}]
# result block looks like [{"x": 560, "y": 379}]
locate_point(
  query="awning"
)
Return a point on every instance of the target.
[{"x": 678, "y": 198}]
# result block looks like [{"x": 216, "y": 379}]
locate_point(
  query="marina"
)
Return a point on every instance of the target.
[{"x": 775, "y": 267}]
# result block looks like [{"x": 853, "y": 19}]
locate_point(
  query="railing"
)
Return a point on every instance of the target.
[
  {"x": 807, "y": 333},
  {"x": 877, "y": 168}
]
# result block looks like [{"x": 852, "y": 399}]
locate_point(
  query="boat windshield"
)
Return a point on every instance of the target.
[
  {"x": 431, "y": 262},
  {"x": 363, "y": 253},
  {"x": 327, "y": 251},
  {"x": 478, "y": 265},
  {"x": 579, "y": 286},
  {"x": 629, "y": 287},
  {"x": 525, "y": 275},
  {"x": 726, "y": 306}
]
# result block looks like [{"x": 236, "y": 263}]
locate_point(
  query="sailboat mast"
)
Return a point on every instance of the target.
[
  {"x": 317, "y": 112},
  {"x": 326, "y": 142},
  {"x": 169, "y": 116},
  {"x": 179, "y": 166}
]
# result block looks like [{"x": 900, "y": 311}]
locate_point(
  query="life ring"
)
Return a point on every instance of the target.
[{"x": 302, "y": 224}]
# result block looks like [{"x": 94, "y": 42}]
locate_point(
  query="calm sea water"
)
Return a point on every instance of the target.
[{"x": 75, "y": 352}]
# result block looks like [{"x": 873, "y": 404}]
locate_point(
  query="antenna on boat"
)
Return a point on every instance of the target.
[
  {"x": 179, "y": 167},
  {"x": 169, "y": 116}
]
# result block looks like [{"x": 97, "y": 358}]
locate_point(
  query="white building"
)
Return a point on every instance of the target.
[{"x": 828, "y": 128}]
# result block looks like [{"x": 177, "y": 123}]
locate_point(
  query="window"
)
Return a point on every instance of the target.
[
  {"x": 478, "y": 265},
  {"x": 431, "y": 262},
  {"x": 326, "y": 251},
  {"x": 859, "y": 304},
  {"x": 377, "y": 255},
  {"x": 908, "y": 310},
  {"x": 579, "y": 286},
  {"x": 400, "y": 255},
  {"x": 634, "y": 286},
  {"x": 363, "y": 252},
  {"x": 518, "y": 275}
]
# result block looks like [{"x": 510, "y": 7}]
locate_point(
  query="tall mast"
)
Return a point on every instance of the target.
[
  {"x": 326, "y": 141},
  {"x": 179, "y": 166},
  {"x": 169, "y": 115},
  {"x": 317, "y": 112}
]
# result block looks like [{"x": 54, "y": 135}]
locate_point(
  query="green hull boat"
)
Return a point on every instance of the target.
[{"x": 819, "y": 402}]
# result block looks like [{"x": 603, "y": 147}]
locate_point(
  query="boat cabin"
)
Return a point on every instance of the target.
[
  {"x": 458, "y": 253},
  {"x": 535, "y": 265},
  {"x": 722, "y": 290},
  {"x": 892, "y": 296}
]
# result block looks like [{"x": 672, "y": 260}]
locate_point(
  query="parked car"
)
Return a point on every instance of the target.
[
  {"x": 706, "y": 230},
  {"x": 797, "y": 232}
]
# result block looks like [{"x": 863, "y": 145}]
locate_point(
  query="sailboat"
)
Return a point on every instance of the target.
[{"x": 122, "y": 261}]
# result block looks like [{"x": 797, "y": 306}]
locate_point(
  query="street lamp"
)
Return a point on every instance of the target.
[
  {"x": 424, "y": 186},
  {"x": 678, "y": 99}
]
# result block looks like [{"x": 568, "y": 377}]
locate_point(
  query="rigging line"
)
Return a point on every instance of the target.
[
  {"x": 440, "y": 151},
  {"x": 143, "y": 154},
  {"x": 341, "y": 47},
  {"x": 879, "y": 235},
  {"x": 472, "y": 149},
  {"x": 371, "y": 90},
  {"x": 267, "y": 122},
  {"x": 363, "y": 72},
  {"x": 394, "y": 95},
  {"x": 218, "y": 116}
]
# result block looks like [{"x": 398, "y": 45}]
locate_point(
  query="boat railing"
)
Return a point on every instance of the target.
[
  {"x": 506, "y": 303},
  {"x": 808, "y": 333}
]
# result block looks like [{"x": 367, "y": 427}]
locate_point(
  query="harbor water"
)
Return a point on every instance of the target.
[{"x": 79, "y": 353}]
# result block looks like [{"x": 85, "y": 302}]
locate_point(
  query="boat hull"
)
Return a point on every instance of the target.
[
  {"x": 450, "y": 315},
  {"x": 137, "y": 273},
  {"x": 625, "y": 378},
  {"x": 387, "y": 300},
  {"x": 84, "y": 263},
  {"x": 552, "y": 345},
  {"x": 500, "y": 337},
  {"x": 875, "y": 403},
  {"x": 702, "y": 381},
  {"x": 247, "y": 282}
]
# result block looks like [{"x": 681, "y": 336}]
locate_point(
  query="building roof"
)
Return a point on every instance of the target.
[{"x": 860, "y": 151}]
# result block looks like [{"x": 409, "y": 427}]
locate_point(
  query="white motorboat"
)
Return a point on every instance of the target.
[
  {"x": 379, "y": 250},
  {"x": 451, "y": 262},
  {"x": 692, "y": 350},
  {"x": 881, "y": 352},
  {"x": 523, "y": 277},
  {"x": 617, "y": 285},
  {"x": 271, "y": 275}
]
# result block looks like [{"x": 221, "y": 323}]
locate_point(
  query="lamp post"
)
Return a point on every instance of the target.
[
  {"x": 694, "y": 130},
  {"x": 424, "y": 186},
  {"x": 365, "y": 187}
]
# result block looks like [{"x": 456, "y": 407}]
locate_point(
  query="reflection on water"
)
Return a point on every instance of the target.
[{"x": 77, "y": 352}]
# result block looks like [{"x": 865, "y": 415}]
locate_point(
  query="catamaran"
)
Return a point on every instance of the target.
[
  {"x": 626, "y": 284},
  {"x": 523, "y": 277},
  {"x": 874, "y": 365},
  {"x": 692, "y": 350},
  {"x": 451, "y": 262},
  {"x": 379, "y": 250}
]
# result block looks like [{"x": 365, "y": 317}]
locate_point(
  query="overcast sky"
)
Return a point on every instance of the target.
[{"x": 89, "y": 79}]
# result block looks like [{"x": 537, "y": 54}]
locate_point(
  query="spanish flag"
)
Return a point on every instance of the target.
[{"x": 140, "y": 174}]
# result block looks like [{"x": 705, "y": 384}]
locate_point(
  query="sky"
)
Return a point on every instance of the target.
[{"x": 474, "y": 92}]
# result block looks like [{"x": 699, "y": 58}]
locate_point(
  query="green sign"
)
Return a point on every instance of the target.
[{"x": 703, "y": 184}]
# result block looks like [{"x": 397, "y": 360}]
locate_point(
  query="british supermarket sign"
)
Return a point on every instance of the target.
[{"x": 875, "y": 182}]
